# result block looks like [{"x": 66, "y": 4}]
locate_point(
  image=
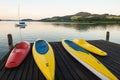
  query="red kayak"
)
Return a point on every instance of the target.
[{"x": 18, "y": 54}]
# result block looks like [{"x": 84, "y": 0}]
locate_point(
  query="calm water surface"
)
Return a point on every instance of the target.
[{"x": 54, "y": 32}]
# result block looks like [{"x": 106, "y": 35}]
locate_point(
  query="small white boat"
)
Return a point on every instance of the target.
[{"x": 21, "y": 24}]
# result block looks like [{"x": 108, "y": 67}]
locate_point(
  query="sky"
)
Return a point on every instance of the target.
[{"x": 38, "y": 9}]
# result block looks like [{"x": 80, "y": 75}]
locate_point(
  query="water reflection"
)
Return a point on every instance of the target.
[
  {"x": 85, "y": 27},
  {"x": 55, "y": 31},
  {"x": 21, "y": 26}
]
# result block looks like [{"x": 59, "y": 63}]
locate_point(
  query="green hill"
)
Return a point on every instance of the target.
[{"x": 85, "y": 17}]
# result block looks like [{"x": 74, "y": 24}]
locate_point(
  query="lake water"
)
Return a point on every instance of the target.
[{"x": 54, "y": 31}]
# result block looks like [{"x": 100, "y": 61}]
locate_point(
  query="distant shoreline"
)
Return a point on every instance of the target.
[
  {"x": 94, "y": 22},
  {"x": 80, "y": 18}
]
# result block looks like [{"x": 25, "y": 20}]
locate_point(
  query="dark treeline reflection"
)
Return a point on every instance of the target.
[{"x": 84, "y": 27}]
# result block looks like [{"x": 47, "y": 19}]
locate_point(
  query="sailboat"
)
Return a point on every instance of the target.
[{"x": 21, "y": 23}]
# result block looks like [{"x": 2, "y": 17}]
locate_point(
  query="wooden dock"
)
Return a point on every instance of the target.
[{"x": 67, "y": 68}]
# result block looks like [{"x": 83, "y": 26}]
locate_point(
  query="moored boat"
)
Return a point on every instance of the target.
[{"x": 21, "y": 24}]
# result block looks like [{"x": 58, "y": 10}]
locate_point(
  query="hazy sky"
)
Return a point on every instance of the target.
[{"x": 38, "y": 9}]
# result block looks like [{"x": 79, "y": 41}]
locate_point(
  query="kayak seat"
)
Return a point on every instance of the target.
[
  {"x": 41, "y": 46},
  {"x": 75, "y": 46},
  {"x": 22, "y": 45}
]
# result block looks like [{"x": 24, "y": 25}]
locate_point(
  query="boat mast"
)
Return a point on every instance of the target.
[{"x": 19, "y": 12}]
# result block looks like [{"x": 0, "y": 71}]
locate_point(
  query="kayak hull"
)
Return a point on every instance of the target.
[
  {"x": 87, "y": 60},
  {"x": 18, "y": 54},
  {"x": 91, "y": 48},
  {"x": 44, "y": 58}
]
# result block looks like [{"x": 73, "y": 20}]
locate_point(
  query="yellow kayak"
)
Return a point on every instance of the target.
[
  {"x": 89, "y": 61},
  {"x": 44, "y": 58},
  {"x": 84, "y": 44}
]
